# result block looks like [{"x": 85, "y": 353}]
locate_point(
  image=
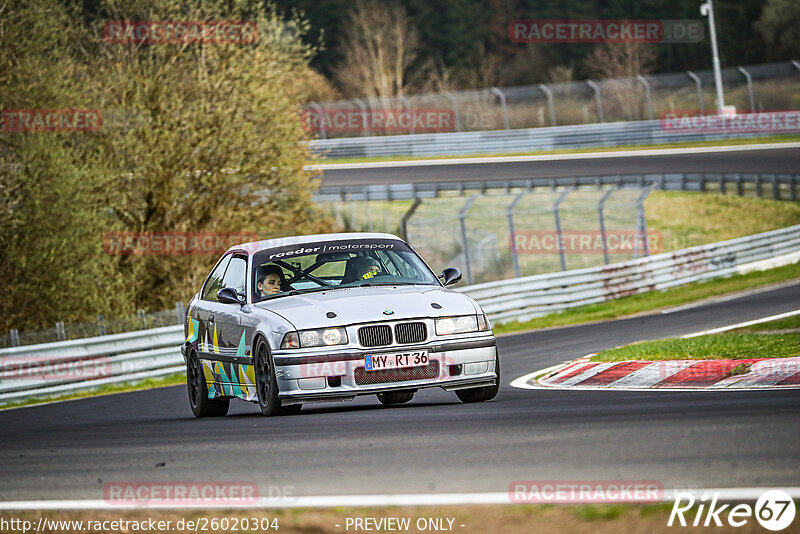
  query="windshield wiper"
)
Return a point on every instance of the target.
[
  {"x": 387, "y": 284},
  {"x": 293, "y": 292}
]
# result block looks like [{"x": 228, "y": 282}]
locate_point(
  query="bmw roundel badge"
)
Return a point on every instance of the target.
[{"x": 388, "y": 312}]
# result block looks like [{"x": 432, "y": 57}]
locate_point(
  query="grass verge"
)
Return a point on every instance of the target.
[
  {"x": 654, "y": 300},
  {"x": 727, "y": 346},
  {"x": 150, "y": 383},
  {"x": 688, "y": 144}
]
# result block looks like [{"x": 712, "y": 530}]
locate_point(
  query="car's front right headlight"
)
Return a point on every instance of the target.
[
  {"x": 463, "y": 324},
  {"x": 320, "y": 337}
]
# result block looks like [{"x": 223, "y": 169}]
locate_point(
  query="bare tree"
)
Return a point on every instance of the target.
[
  {"x": 620, "y": 63},
  {"x": 379, "y": 46}
]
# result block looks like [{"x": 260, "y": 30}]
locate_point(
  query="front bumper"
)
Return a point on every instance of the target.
[{"x": 456, "y": 364}]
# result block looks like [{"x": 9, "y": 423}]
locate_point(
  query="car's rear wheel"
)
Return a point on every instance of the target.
[
  {"x": 396, "y": 397},
  {"x": 201, "y": 405},
  {"x": 481, "y": 394},
  {"x": 267, "y": 386}
]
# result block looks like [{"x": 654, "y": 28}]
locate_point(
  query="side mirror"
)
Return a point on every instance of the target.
[
  {"x": 451, "y": 276},
  {"x": 228, "y": 295}
]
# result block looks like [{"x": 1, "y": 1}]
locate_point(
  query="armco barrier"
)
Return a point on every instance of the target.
[
  {"x": 772, "y": 185},
  {"x": 533, "y": 296},
  {"x": 66, "y": 366},
  {"x": 608, "y": 134},
  {"x": 58, "y": 368}
]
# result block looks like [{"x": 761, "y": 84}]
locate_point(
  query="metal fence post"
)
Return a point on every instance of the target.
[
  {"x": 462, "y": 213},
  {"x": 776, "y": 192},
  {"x": 369, "y": 215},
  {"x": 61, "y": 334},
  {"x": 454, "y": 103},
  {"x": 352, "y": 207},
  {"x": 101, "y": 326},
  {"x": 180, "y": 312},
  {"x": 699, "y": 85},
  {"x": 559, "y": 233},
  {"x": 143, "y": 317},
  {"x": 316, "y": 107},
  {"x": 749, "y": 88},
  {"x": 550, "y": 104},
  {"x": 363, "y": 107},
  {"x": 793, "y": 187},
  {"x": 597, "y": 99},
  {"x": 602, "y": 220},
  {"x": 642, "y": 225},
  {"x": 337, "y": 214},
  {"x": 647, "y": 94},
  {"x": 407, "y": 215},
  {"x": 511, "y": 230},
  {"x": 499, "y": 94},
  {"x": 14, "y": 337},
  {"x": 407, "y": 105}
]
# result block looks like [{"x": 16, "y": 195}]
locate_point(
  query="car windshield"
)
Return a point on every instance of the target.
[{"x": 334, "y": 264}]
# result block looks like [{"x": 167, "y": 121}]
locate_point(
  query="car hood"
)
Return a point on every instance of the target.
[{"x": 367, "y": 304}]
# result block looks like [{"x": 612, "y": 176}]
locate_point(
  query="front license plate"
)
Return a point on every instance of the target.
[{"x": 375, "y": 362}]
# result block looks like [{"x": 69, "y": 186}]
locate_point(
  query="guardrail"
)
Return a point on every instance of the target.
[
  {"x": 533, "y": 296},
  {"x": 610, "y": 134},
  {"x": 780, "y": 186},
  {"x": 58, "y": 368},
  {"x": 66, "y": 366}
]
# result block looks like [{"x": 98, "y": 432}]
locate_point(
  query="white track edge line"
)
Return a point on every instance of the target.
[
  {"x": 410, "y": 499},
  {"x": 741, "y": 325}
]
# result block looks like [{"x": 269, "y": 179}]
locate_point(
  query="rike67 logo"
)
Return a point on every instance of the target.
[{"x": 774, "y": 510}]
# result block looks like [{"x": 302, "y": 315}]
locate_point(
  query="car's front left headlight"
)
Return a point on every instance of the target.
[
  {"x": 320, "y": 337},
  {"x": 462, "y": 324}
]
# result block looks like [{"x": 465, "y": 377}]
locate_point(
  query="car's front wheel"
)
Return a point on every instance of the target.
[
  {"x": 483, "y": 393},
  {"x": 201, "y": 405},
  {"x": 267, "y": 386},
  {"x": 396, "y": 397}
]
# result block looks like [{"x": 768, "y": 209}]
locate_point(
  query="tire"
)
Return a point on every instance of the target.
[
  {"x": 483, "y": 393},
  {"x": 396, "y": 397},
  {"x": 201, "y": 405},
  {"x": 267, "y": 385}
]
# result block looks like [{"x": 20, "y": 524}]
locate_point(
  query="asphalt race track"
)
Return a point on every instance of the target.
[
  {"x": 435, "y": 444},
  {"x": 778, "y": 160}
]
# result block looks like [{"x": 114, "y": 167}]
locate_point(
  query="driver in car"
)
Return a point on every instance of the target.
[
  {"x": 270, "y": 281},
  {"x": 367, "y": 268}
]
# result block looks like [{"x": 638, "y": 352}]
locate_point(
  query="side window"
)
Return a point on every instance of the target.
[
  {"x": 235, "y": 275},
  {"x": 214, "y": 282}
]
